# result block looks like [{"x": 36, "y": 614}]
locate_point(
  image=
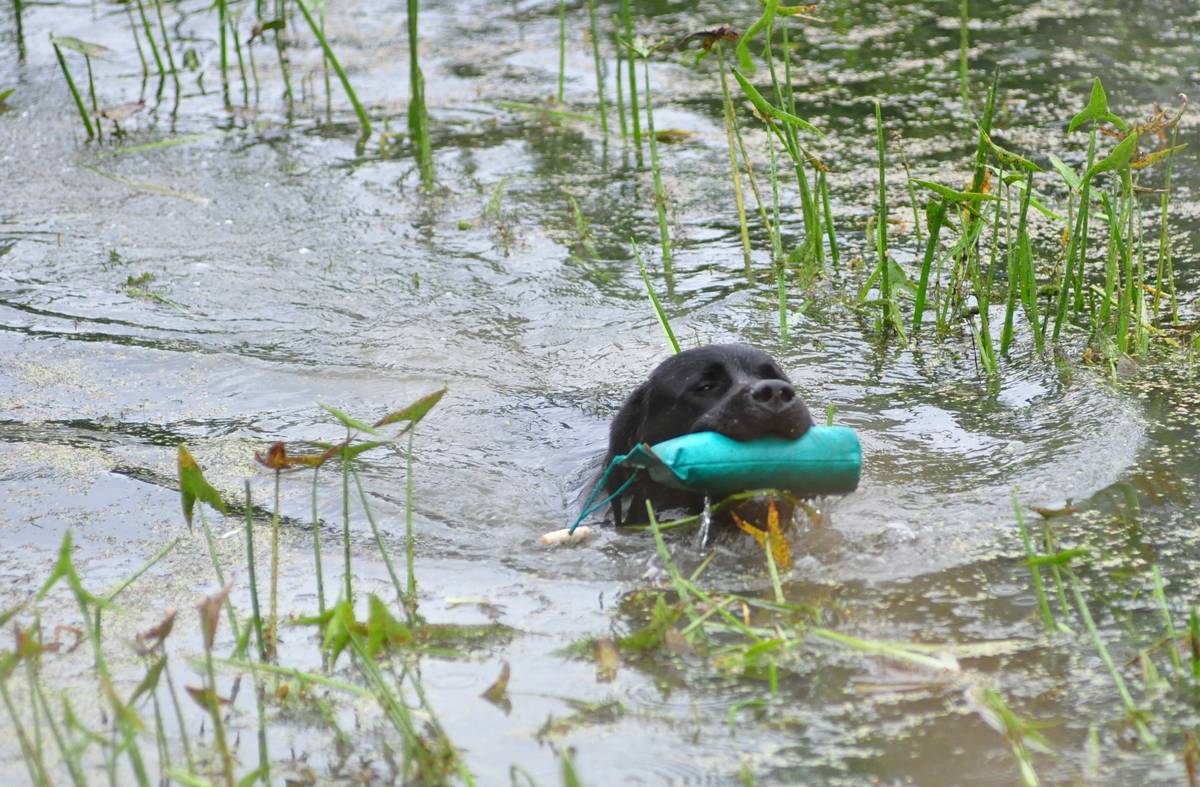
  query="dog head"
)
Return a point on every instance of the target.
[{"x": 732, "y": 389}]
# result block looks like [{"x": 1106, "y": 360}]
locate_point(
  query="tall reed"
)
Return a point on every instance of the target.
[
  {"x": 364, "y": 122},
  {"x": 83, "y": 113},
  {"x": 595, "y": 35},
  {"x": 418, "y": 116},
  {"x": 635, "y": 120},
  {"x": 660, "y": 194}
]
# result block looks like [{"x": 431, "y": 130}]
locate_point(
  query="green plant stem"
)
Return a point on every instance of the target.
[
  {"x": 660, "y": 196},
  {"x": 150, "y": 39},
  {"x": 348, "y": 587},
  {"x": 418, "y": 114},
  {"x": 1165, "y": 262},
  {"x": 178, "y": 712},
  {"x": 284, "y": 71},
  {"x": 409, "y": 539},
  {"x": 659, "y": 312},
  {"x": 632, "y": 74},
  {"x": 881, "y": 247},
  {"x": 964, "y": 44},
  {"x": 823, "y": 185},
  {"x": 273, "y": 620},
  {"x": 137, "y": 41},
  {"x": 777, "y": 256},
  {"x": 83, "y": 113},
  {"x": 562, "y": 46},
  {"x": 734, "y": 173},
  {"x": 316, "y": 541},
  {"x": 258, "y": 625},
  {"x": 1130, "y": 707},
  {"x": 1168, "y": 625},
  {"x": 33, "y": 764},
  {"x": 1030, "y": 554},
  {"x": 620, "y": 85},
  {"x": 222, "y": 22},
  {"x": 383, "y": 551},
  {"x": 217, "y": 569},
  {"x": 591, "y": 6},
  {"x": 682, "y": 587},
  {"x": 162, "y": 27},
  {"x": 937, "y": 216},
  {"x": 237, "y": 49},
  {"x": 1076, "y": 243},
  {"x": 214, "y": 711},
  {"x": 18, "y": 16},
  {"x": 364, "y": 122}
]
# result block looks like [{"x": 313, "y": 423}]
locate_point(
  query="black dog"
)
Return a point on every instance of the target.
[{"x": 732, "y": 389}]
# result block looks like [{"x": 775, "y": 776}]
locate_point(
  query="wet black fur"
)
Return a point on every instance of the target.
[{"x": 733, "y": 389}]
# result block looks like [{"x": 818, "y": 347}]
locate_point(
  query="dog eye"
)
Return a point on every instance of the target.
[{"x": 705, "y": 386}]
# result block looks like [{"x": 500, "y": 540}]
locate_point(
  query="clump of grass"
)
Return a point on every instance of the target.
[{"x": 428, "y": 754}]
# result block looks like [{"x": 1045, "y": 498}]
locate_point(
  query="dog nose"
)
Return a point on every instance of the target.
[{"x": 772, "y": 394}]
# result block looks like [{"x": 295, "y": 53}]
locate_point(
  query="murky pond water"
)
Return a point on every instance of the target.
[{"x": 291, "y": 271}]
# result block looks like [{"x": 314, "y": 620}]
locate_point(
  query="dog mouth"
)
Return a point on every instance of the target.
[{"x": 791, "y": 423}]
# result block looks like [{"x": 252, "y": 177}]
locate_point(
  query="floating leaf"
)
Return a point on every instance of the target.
[
  {"x": 4, "y": 94},
  {"x": 415, "y": 411},
  {"x": 85, "y": 48},
  {"x": 497, "y": 693},
  {"x": 769, "y": 109},
  {"x": 193, "y": 487},
  {"x": 1097, "y": 110},
  {"x": 120, "y": 112},
  {"x": 608, "y": 661},
  {"x": 672, "y": 136}
]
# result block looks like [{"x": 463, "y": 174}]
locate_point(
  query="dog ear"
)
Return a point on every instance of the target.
[
  {"x": 626, "y": 428},
  {"x": 624, "y": 434}
]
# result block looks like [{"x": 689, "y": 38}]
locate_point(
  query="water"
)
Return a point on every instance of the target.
[{"x": 303, "y": 273}]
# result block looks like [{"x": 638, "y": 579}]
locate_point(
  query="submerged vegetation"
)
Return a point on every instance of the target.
[{"x": 1028, "y": 252}]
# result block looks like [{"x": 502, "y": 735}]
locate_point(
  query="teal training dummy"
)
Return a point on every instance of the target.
[{"x": 827, "y": 460}]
